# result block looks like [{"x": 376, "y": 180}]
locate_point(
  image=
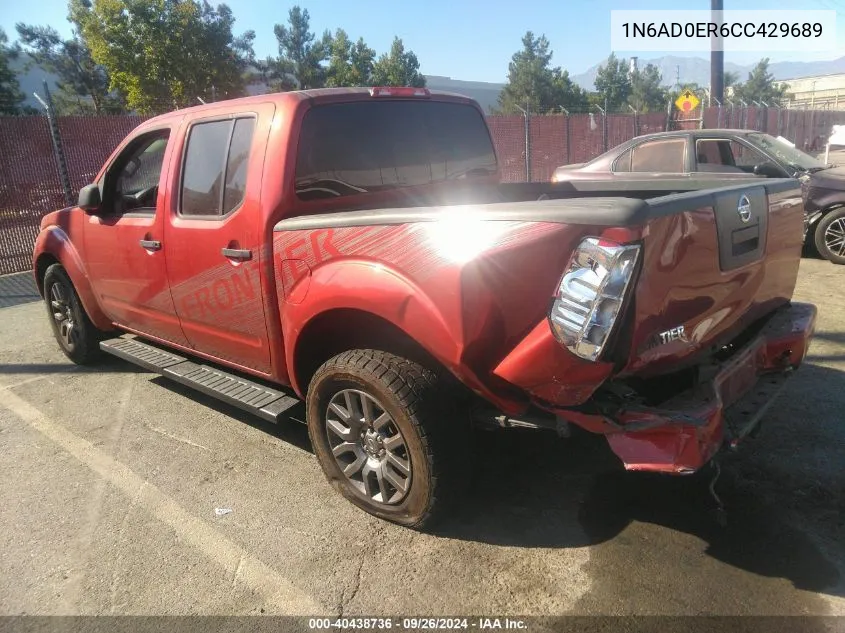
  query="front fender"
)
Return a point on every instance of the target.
[
  {"x": 814, "y": 217},
  {"x": 53, "y": 241},
  {"x": 376, "y": 289}
]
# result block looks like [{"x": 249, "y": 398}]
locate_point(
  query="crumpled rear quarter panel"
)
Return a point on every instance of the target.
[{"x": 488, "y": 283}]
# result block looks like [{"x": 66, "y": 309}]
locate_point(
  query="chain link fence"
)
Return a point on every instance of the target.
[{"x": 529, "y": 147}]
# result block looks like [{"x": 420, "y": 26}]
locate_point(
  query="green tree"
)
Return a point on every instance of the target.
[
  {"x": 83, "y": 84},
  {"x": 761, "y": 86},
  {"x": 349, "y": 64},
  {"x": 362, "y": 58},
  {"x": 647, "y": 92},
  {"x": 534, "y": 84},
  {"x": 398, "y": 68},
  {"x": 567, "y": 93},
  {"x": 266, "y": 73},
  {"x": 339, "y": 71},
  {"x": 165, "y": 53},
  {"x": 10, "y": 91},
  {"x": 613, "y": 83},
  {"x": 301, "y": 55}
]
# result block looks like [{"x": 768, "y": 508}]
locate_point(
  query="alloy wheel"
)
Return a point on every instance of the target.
[
  {"x": 834, "y": 237},
  {"x": 62, "y": 312},
  {"x": 368, "y": 446}
]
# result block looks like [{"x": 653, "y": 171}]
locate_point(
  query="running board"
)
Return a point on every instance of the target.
[{"x": 252, "y": 397}]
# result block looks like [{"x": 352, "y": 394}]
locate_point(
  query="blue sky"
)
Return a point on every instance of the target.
[{"x": 462, "y": 39}]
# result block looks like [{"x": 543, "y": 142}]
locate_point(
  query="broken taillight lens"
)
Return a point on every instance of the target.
[{"x": 591, "y": 294}]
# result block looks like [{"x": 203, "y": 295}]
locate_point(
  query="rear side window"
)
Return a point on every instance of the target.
[
  {"x": 623, "y": 163},
  {"x": 663, "y": 155},
  {"x": 214, "y": 175},
  {"x": 233, "y": 194},
  {"x": 351, "y": 148}
]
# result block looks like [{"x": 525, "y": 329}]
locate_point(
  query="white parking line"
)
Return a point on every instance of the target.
[
  {"x": 279, "y": 592},
  {"x": 49, "y": 376}
]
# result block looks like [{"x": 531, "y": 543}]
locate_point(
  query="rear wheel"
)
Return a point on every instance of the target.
[
  {"x": 74, "y": 332},
  {"x": 830, "y": 236},
  {"x": 384, "y": 435}
]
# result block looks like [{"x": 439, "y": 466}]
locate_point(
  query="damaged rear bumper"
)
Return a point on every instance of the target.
[{"x": 685, "y": 432}]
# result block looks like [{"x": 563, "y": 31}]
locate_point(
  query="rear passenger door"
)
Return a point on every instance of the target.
[{"x": 214, "y": 237}]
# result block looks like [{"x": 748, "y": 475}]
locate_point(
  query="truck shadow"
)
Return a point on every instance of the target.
[
  {"x": 105, "y": 365},
  {"x": 783, "y": 491},
  {"x": 293, "y": 431}
]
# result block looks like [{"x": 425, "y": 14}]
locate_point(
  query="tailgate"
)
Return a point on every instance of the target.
[{"x": 713, "y": 263}]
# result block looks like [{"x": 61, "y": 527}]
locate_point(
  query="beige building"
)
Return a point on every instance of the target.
[{"x": 822, "y": 92}]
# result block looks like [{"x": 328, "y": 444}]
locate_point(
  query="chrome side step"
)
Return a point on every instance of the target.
[{"x": 245, "y": 394}]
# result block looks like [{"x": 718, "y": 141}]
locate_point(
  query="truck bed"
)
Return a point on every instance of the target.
[{"x": 702, "y": 266}]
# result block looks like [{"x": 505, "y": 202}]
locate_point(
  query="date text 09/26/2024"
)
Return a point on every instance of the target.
[{"x": 417, "y": 624}]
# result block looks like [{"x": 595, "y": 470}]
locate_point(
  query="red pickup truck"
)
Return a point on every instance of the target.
[{"x": 355, "y": 250}]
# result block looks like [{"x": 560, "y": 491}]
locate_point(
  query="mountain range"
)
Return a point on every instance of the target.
[
  {"x": 697, "y": 70},
  {"x": 687, "y": 69}
]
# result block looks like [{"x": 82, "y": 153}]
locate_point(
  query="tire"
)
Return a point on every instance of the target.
[
  {"x": 830, "y": 236},
  {"x": 393, "y": 397},
  {"x": 74, "y": 332}
]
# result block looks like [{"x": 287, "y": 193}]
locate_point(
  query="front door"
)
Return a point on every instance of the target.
[
  {"x": 123, "y": 240},
  {"x": 213, "y": 235}
]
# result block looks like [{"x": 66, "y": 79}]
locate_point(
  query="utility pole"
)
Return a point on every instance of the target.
[
  {"x": 717, "y": 57},
  {"x": 678, "y": 76}
]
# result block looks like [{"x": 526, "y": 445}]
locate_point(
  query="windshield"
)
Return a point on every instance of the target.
[{"x": 789, "y": 155}]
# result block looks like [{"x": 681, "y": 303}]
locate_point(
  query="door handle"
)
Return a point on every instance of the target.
[
  {"x": 151, "y": 245},
  {"x": 241, "y": 254}
]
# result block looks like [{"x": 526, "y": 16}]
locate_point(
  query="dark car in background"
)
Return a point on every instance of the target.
[{"x": 726, "y": 157}]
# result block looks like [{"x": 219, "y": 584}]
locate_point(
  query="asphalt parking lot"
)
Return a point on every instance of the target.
[{"x": 111, "y": 479}]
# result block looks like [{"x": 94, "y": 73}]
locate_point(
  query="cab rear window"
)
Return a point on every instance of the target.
[{"x": 353, "y": 148}]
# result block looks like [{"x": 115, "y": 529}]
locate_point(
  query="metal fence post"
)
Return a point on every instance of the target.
[
  {"x": 636, "y": 122},
  {"x": 566, "y": 129},
  {"x": 528, "y": 143},
  {"x": 604, "y": 126},
  {"x": 527, "y": 118},
  {"x": 58, "y": 151}
]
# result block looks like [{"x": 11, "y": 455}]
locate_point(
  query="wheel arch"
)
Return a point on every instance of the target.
[
  {"x": 338, "y": 330},
  {"x": 42, "y": 263},
  {"x": 816, "y": 216},
  {"x": 53, "y": 246},
  {"x": 833, "y": 250}
]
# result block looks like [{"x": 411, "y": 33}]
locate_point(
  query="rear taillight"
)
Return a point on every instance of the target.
[
  {"x": 399, "y": 91},
  {"x": 590, "y": 295}
]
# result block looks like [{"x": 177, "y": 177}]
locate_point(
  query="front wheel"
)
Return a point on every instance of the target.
[
  {"x": 830, "y": 236},
  {"x": 384, "y": 436},
  {"x": 74, "y": 332}
]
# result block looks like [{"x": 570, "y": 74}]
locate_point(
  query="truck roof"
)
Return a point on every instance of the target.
[{"x": 317, "y": 95}]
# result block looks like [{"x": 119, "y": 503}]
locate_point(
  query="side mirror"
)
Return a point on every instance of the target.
[
  {"x": 768, "y": 170},
  {"x": 89, "y": 199}
]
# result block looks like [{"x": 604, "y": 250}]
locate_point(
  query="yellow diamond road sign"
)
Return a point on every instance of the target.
[{"x": 687, "y": 101}]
